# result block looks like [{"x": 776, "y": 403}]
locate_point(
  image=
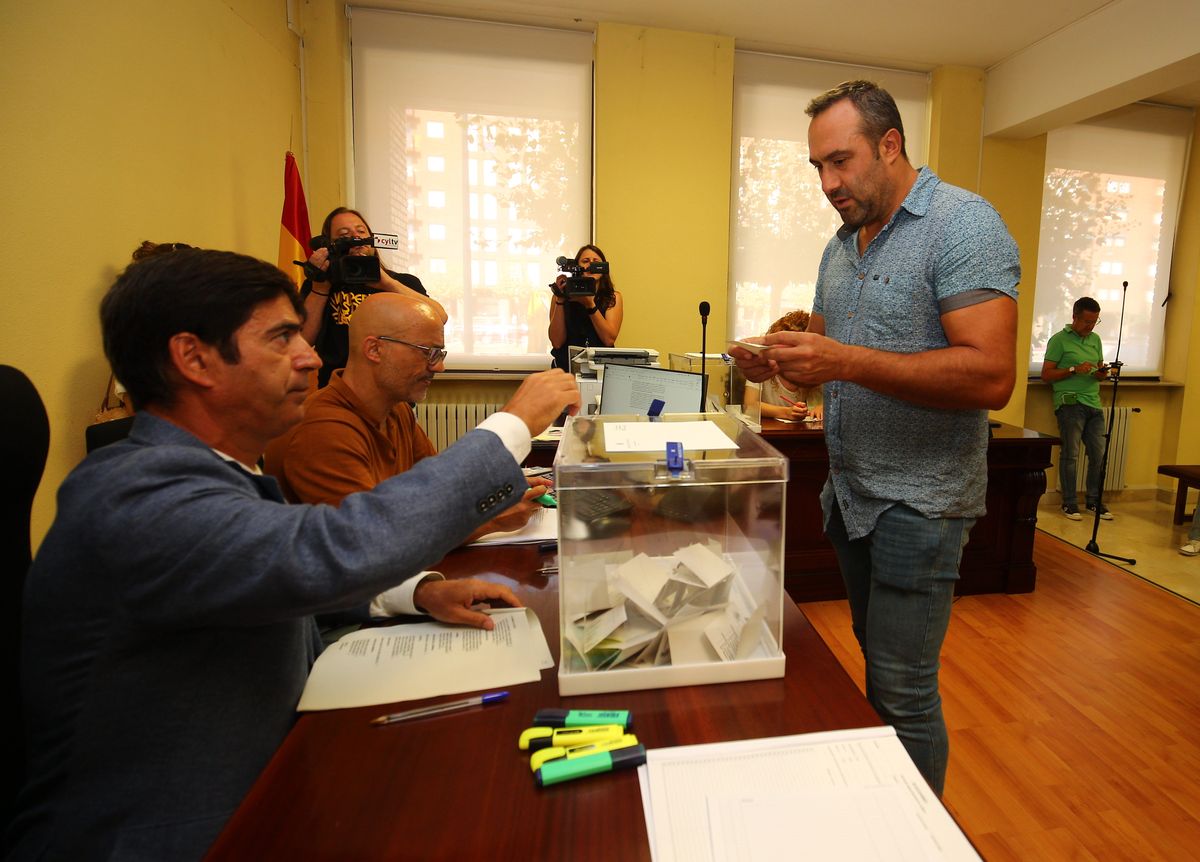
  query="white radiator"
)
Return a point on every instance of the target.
[
  {"x": 445, "y": 423},
  {"x": 1118, "y": 447}
]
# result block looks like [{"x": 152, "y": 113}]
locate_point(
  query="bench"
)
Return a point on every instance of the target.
[{"x": 1188, "y": 476}]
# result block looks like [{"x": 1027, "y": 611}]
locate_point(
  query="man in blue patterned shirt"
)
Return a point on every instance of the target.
[{"x": 913, "y": 335}]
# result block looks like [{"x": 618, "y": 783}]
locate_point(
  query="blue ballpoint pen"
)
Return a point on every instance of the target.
[{"x": 438, "y": 708}]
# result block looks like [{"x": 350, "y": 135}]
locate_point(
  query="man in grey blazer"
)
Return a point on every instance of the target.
[{"x": 167, "y": 628}]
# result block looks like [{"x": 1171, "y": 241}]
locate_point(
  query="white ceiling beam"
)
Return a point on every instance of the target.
[{"x": 1123, "y": 52}]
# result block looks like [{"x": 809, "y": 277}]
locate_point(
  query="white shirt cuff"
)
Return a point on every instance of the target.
[
  {"x": 512, "y": 431},
  {"x": 399, "y": 599}
]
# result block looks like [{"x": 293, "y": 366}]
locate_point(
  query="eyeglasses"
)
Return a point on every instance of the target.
[{"x": 433, "y": 355}]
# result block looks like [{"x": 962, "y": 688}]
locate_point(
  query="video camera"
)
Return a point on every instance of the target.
[
  {"x": 346, "y": 268},
  {"x": 578, "y": 284}
]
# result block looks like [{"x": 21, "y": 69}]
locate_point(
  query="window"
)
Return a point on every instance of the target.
[
  {"x": 781, "y": 220},
  {"x": 1113, "y": 182},
  {"x": 488, "y": 127}
]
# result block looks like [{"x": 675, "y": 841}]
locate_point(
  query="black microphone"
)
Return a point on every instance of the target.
[
  {"x": 705, "y": 308},
  {"x": 560, "y": 261},
  {"x": 1124, "y": 285}
]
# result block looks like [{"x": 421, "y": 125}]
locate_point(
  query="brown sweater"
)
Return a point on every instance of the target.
[{"x": 337, "y": 450}]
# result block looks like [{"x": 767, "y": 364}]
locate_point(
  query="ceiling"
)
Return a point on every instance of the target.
[{"x": 918, "y": 35}]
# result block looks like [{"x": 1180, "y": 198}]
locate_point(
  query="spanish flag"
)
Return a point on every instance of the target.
[{"x": 294, "y": 235}]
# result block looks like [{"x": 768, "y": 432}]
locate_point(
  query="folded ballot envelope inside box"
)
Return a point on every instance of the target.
[{"x": 670, "y": 552}]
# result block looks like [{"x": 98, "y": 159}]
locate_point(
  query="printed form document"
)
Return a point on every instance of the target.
[
  {"x": 844, "y": 795},
  {"x": 410, "y": 662}
]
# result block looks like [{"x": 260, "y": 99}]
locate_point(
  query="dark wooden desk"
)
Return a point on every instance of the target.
[
  {"x": 997, "y": 559},
  {"x": 456, "y": 787},
  {"x": 1189, "y": 477}
]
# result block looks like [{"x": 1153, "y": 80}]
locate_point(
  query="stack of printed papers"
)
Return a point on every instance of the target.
[{"x": 410, "y": 662}]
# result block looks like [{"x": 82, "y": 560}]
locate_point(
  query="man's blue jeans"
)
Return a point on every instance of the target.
[
  {"x": 1076, "y": 421},
  {"x": 900, "y": 583}
]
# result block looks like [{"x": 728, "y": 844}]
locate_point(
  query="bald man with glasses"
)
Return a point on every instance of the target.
[{"x": 360, "y": 429}]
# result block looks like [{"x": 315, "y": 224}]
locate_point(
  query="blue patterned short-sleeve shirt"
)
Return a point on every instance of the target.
[{"x": 944, "y": 248}]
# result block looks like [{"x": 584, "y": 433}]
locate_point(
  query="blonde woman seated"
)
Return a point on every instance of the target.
[{"x": 779, "y": 400}]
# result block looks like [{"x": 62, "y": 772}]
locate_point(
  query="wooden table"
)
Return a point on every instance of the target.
[
  {"x": 997, "y": 559},
  {"x": 456, "y": 787},
  {"x": 1189, "y": 477}
]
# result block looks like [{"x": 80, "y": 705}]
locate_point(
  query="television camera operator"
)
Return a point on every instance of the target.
[
  {"x": 344, "y": 270},
  {"x": 586, "y": 310}
]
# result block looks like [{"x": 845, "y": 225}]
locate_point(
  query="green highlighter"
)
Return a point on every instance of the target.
[
  {"x": 557, "y": 771},
  {"x": 543, "y": 756},
  {"x": 582, "y": 717}
]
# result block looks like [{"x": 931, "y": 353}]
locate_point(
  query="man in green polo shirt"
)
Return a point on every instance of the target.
[{"x": 1074, "y": 367}]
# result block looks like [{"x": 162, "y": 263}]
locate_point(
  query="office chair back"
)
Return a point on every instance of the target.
[{"x": 24, "y": 443}]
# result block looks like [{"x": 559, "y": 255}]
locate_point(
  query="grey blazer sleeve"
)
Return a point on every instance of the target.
[{"x": 202, "y": 546}]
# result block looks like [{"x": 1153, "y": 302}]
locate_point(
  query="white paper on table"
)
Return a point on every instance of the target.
[
  {"x": 654, "y": 436},
  {"x": 537, "y": 637},
  {"x": 872, "y": 823},
  {"x": 410, "y": 662},
  {"x": 541, "y": 527},
  {"x": 856, "y": 790}
]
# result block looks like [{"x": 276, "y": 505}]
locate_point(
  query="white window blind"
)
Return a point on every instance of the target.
[
  {"x": 1109, "y": 206},
  {"x": 781, "y": 220},
  {"x": 472, "y": 142}
]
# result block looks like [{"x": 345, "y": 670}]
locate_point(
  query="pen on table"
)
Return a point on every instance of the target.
[{"x": 438, "y": 708}]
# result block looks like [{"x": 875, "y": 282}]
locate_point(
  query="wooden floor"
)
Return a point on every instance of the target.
[{"x": 1073, "y": 712}]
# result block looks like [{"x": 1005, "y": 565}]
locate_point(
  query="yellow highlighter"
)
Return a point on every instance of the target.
[
  {"x": 539, "y": 757},
  {"x": 537, "y": 738}
]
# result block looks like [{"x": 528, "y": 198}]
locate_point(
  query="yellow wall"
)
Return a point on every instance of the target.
[
  {"x": 1181, "y": 360},
  {"x": 327, "y": 90},
  {"x": 1011, "y": 178},
  {"x": 126, "y": 121},
  {"x": 955, "y": 119},
  {"x": 664, "y": 122}
]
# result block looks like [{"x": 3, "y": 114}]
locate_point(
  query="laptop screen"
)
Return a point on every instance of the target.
[{"x": 634, "y": 388}]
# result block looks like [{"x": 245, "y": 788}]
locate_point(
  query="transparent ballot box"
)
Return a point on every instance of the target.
[{"x": 670, "y": 568}]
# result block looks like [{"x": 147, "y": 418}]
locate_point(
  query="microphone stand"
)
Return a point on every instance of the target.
[
  {"x": 1115, "y": 376},
  {"x": 703, "y": 353}
]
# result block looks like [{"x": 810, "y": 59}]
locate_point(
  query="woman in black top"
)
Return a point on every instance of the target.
[
  {"x": 585, "y": 321},
  {"x": 330, "y": 305}
]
